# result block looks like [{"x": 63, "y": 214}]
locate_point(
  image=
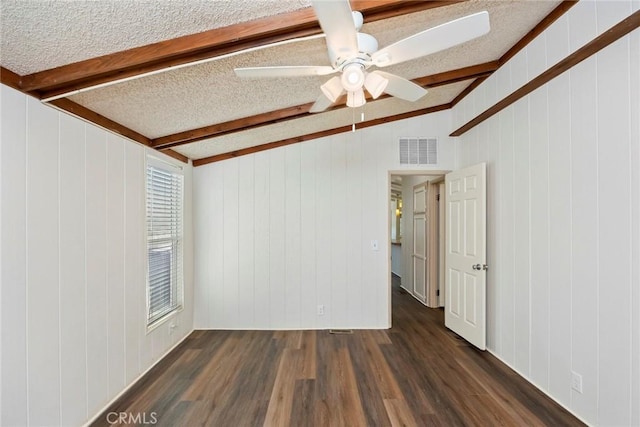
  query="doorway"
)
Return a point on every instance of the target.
[
  {"x": 465, "y": 264},
  {"x": 401, "y": 184}
]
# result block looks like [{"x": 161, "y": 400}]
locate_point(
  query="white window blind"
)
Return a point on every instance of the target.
[{"x": 164, "y": 240}]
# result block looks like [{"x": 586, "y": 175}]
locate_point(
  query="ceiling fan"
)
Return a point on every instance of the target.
[{"x": 353, "y": 53}]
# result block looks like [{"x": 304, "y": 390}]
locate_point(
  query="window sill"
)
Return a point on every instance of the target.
[{"x": 164, "y": 319}]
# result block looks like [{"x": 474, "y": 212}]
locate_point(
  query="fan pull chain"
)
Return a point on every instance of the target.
[{"x": 353, "y": 120}]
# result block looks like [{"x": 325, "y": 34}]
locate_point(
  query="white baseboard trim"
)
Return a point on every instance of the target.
[
  {"x": 536, "y": 386},
  {"x": 324, "y": 328},
  {"x": 127, "y": 388}
]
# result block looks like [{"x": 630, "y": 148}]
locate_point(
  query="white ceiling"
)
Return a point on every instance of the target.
[{"x": 40, "y": 35}]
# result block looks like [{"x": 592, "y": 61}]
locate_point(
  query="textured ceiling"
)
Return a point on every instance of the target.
[
  {"x": 310, "y": 124},
  {"x": 40, "y": 35}
]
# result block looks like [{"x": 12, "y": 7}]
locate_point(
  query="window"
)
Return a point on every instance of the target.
[{"x": 164, "y": 240}]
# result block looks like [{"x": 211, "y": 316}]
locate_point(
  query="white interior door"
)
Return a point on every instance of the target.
[
  {"x": 419, "y": 252},
  {"x": 441, "y": 244},
  {"x": 465, "y": 259}
]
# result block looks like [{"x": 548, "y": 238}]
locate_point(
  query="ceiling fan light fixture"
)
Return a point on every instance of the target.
[
  {"x": 375, "y": 84},
  {"x": 356, "y": 98},
  {"x": 332, "y": 89},
  {"x": 353, "y": 77}
]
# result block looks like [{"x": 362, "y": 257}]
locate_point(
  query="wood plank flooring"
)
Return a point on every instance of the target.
[{"x": 416, "y": 374}]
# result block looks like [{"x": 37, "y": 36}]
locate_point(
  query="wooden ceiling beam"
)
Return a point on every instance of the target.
[
  {"x": 458, "y": 75},
  {"x": 316, "y": 135},
  {"x": 231, "y": 126},
  {"x": 619, "y": 30},
  {"x": 208, "y": 44},
  {"x": 552, "y": 17},
  {"x": 278, "y": 116},
  {"x": 100, "y": 120},
  {"x": 9, "y": 78}
]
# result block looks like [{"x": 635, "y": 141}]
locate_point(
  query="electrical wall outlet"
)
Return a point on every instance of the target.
[
  {"x": 576, "y": 382},
  {"x": 320, "y": 310}
]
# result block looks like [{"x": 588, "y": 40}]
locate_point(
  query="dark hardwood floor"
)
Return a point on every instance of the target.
[{"x": 416, "y": 374}]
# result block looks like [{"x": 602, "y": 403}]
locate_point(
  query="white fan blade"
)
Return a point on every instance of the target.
[
  {"x": 434, "y": 39},
  {"x": 286, "y": 71},
  {"x": 402, "y": 88},
  {"x": 321, "y": 104},
  {"x": 336, "y": 21}
]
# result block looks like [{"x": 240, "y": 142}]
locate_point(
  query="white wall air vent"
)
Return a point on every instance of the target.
[{"x": 418, "y": 151}]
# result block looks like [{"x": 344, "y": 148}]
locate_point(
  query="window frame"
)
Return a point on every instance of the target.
[{"x": 167, "y": 167}]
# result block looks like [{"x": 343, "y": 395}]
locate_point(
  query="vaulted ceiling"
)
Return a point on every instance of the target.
[{"x": 161, "y": 72}]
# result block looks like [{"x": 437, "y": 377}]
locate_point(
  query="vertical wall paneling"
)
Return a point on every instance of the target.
[
  {"x": 523, "y": 180},
  {"x": 292, "y": 242},
  {"x": 582, "y": 207},
  {"x": 380, "y": 232},
  {"x": 634, "y": 160},
  {"x": 614, "y": 244},
  {"x": 539, "y": 199},
  {"x": 200, "y": 222},
  {"x": 583, "y": 25},
  {"x": 277, "y": 238},
  {"x": 308, "y": 297},
  {"x": 184, "y": 319},
  {"x": 1, "y": 275},
  {"x": 74, "y": 266},
  {"x": 560, "y": 234},
  {"x": 215, "y": 261},
  {"x": 13, "y": 227},
  {"x": 302, "y": 218},
  {"x": 494, "y": 324},
  {"x": 584, "y": 176},
  {"x": 350, "y": 214},
  {"x": 369, "y": 158},
  {"x": 73, "y": 316},
  {"x": 369, "y": 198},
  {"x": 582, "y": 28},
  {"x": 246, "y": 256},
  {"x": 507, "y": 231},
  {"x": 134, "y": 268},
  {"x": 323, "y": 246},
  {"x": 230, "y": 241},
  {"x": 43, "y": 312},
  {"x": 338, "y": 229},
  {"x": 115, "y": 262},
  {"x": 262, "y": 254},
  {"x": 539, "y": 221},
  {"x": 96, "y": 268}
]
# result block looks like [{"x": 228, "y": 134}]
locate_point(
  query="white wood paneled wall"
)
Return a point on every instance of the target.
[
  {"x": 72, "y": 266},
  {"x": 564, "y": 215},
  {"x": 283, "y": 231}
]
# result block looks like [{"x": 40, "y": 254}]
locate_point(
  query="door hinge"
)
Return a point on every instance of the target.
[
  {"x": 438, "y": 293},
  {"x": 437, "y": 197}
]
